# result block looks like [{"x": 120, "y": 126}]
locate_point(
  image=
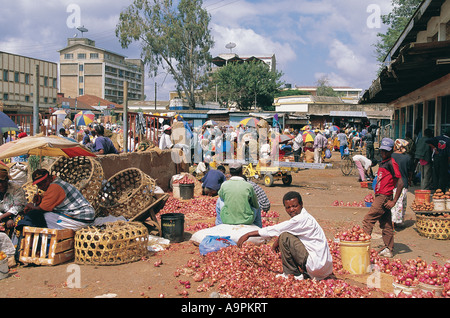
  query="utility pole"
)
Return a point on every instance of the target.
[
  {"x": 36, "y": 126},
  {"x": 155, "y": 95},
  {"x": 125, "y": 116}
]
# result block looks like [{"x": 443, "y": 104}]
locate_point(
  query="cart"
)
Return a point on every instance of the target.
[
  {"x": 148, "y": 216},
  {"x": 281, "y": 170}
]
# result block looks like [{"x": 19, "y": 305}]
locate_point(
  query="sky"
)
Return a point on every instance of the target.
[{"x": 311, "y": 39}]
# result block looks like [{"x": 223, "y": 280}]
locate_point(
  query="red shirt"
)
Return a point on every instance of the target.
[{"x": 387, "y": 177}]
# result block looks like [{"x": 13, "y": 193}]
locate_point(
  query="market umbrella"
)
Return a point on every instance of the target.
[
  {"x": 334, "y": 128},
  {"x": 84, "y": 118},
  {"x": 307, "y": 127},
  {"x": 308, "y": 136},
  {"x": 6, "y": 123},
  {"x": 249, "y": 122},
  {"x": 210, "y": 123},
  {"x": 283, "y": 138},
  {"x": 39, "y": 145}
]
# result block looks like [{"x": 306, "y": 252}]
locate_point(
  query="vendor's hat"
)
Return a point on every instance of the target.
[
  {"x": 39, "y": 175},
  {"x": 387, "y": 144},
  {"x": 235, "y": 167},
  {"x": 4, "y": 174},
  {"x": 166, "y": 127}
]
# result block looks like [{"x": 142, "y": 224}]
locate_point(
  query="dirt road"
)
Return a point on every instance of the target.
[{"x": 319, "y": 188}]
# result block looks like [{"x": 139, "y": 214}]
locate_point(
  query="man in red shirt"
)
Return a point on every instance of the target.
[{"x": 388, "y": 178}]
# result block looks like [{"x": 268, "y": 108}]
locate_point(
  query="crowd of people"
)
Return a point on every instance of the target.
[{"x": 304, "y": 250}]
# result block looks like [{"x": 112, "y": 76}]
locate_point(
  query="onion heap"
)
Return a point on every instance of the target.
[
  {"x": 412, "y": 272},
  {"x": 356, "y": 233},
  {"x": 196, "y": 208},
  {"x": 250, "y": 272}
]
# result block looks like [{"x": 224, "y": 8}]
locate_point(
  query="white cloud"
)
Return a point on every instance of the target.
[{"x": 248, "y": 42}]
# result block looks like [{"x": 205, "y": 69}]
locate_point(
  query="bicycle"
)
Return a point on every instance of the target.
[{"x": 347, "y": 164}]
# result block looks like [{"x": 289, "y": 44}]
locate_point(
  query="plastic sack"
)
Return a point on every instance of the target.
[
  {"x": 328, "y": 153},
  {"x": 214, "y": 243},
  {"x": 224, "y": 230}
]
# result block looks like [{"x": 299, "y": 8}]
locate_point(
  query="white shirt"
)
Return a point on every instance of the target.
[
  {"x": 298, "y": 142},
  {"x": 366, "y": 163},
  {"x": 165, "y": 142},
  {"x": 319, "y": 263},
  {"x": 265, "y": 151}
]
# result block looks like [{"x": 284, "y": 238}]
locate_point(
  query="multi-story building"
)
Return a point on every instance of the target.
[
  {"x": 88, "y": 70},
  {"x": 17, "y": 80}
]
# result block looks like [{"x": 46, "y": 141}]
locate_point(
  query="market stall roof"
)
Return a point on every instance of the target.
[
  {"x": 417, "y": 64},
  {"x": 411, "y": 65}
]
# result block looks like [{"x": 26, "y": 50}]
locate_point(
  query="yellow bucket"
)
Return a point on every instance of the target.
[{"x": 355, "y": 256}]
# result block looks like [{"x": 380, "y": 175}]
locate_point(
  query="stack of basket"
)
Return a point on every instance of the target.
[
  {"x": 435, "y": 222},
  {"x": 85, "y": 173},
  {"x": 127, "y": 193}
]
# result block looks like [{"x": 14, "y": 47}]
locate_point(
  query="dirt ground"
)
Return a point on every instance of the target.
[{"x": 141, "y": 279}]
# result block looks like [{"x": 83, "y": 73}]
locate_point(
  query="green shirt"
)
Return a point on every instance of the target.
[{"x": 239, "y": 198}]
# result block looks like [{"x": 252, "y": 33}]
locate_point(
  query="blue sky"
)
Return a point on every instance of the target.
[{"x": 311, "y": 39}]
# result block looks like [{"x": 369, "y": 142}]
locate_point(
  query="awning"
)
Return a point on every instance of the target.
[{"x": 417, "y": 65}]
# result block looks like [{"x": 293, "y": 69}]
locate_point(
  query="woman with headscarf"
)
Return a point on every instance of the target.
[{"x": 403, "y": 159}]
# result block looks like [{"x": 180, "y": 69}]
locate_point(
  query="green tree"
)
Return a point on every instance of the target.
[
  {"x": 176, "y": 39},
  {"x": 324, "y": 89},
  {"x": 396, "y": 21},
  {"x": 243, "y": 83}
]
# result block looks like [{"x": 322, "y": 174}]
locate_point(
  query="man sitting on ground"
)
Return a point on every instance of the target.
[
  {"x": 301, "y": 241},
  {"x": 237, "y": 203},
  {"x": 212, "y": 181}
]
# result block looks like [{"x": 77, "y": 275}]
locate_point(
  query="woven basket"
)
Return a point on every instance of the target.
[
  {"x": 30, "y": 190},
  {"x": 112, "y": 244},
  {"x": 435, "y": 227},
  {"x": 127, "y": 193},
  {"x": 85, "y": 173}
]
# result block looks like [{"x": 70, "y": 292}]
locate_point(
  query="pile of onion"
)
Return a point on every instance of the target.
[{"x": 356, "y": 233}]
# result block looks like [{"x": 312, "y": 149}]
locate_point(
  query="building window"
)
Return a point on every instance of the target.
[
  {"x": 27, "y": 98},
  {"x": 80, "y": 79},
  {"x": 80, "y": 92},
  {"x": 68, "y": 56},
  {"x": 5, "y": 96},
  {"x": 54, "y": 83},
  {"x": 5, "y": 75},
  {"x": 27, "y": 78},
  {"x": 81, "y": 67},
  {"x": 94, "y": 55},
  {"x": 81, "y": 56},
  {"x": 16, "y": 77},
  {"x": 45, "y": 81},
  {"x": 46, "y": 100}
]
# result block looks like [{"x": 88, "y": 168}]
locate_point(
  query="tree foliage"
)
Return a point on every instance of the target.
[
  {"x": 240, "y": 83},
  {"x": 396, "y": 21},
  {"x": 177, "y": 39},
  {"x": 324, "y": 89}
]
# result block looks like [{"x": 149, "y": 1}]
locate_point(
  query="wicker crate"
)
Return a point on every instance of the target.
[
  {"x": 435, "y": 227},
  {"x": 127, "y": 193},
  {"x": 112, "y": 244},
  {"x": 42, "y": 246},
  {"x": 85, "y": 173}
]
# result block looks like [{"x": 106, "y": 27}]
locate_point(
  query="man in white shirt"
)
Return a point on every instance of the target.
[
  {"x": 320, "y": 143},
  {"x": 301, "y": 241},
  {"x": 165, "y": 142},
  {"x": 297, "y": 144},
  {"x": 364, "y": 166}
]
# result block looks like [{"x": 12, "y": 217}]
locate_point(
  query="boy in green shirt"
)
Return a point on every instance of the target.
[{"x": 237, "y": 203}]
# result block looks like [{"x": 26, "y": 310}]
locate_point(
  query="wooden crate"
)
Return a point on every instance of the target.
[{"x": 42, "y": 246}]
